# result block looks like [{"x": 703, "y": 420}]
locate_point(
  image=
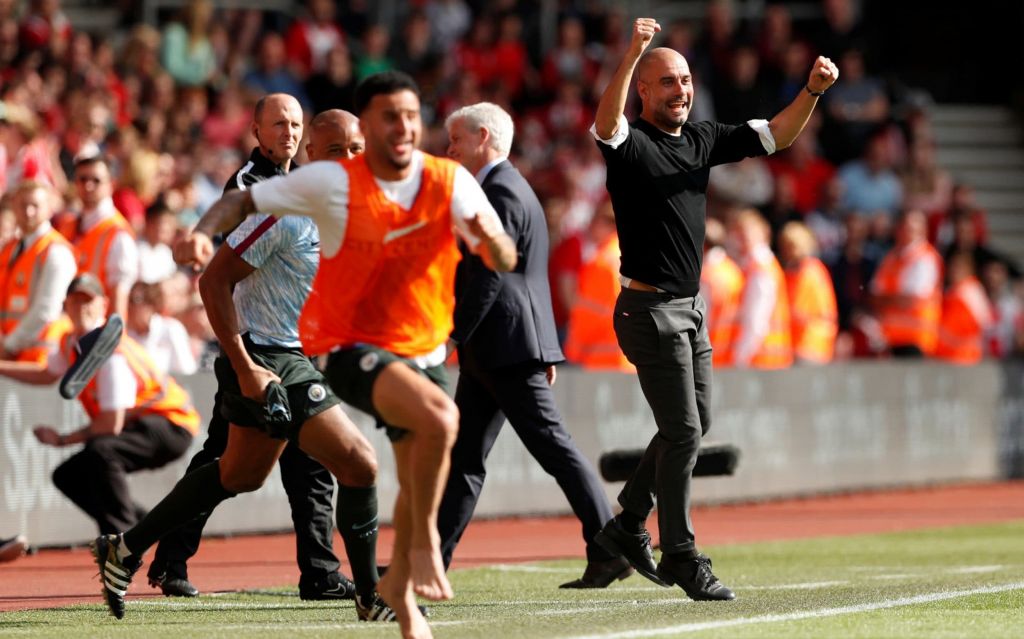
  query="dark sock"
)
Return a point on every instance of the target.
[
  {"x": 196, "y": 493},
  {"x": 357, "y": 523},
  {"x": 631, "y": 522},
  {"x": 682, "y": 556}
]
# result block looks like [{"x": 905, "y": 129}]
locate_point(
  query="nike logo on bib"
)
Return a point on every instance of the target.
[{"x": 405, "y": 230}]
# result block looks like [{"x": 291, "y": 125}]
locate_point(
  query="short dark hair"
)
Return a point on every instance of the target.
[
  {"x": 88, "y": 160},
  {"x": 384, "y": 83}
]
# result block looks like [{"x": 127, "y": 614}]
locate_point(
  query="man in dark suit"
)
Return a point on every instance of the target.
[{"x": 505, "y": 335}]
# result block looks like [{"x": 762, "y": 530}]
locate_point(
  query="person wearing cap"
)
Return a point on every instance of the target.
[
  {"x": 35, "y": 271},
  {"x": 139, "y": 419}
]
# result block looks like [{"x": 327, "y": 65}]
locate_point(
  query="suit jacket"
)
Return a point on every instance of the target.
[{"x": 506, "y": 318}]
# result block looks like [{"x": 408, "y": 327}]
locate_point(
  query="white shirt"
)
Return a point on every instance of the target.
[
  {"x": 167, "y": 342},
  {"x": 156, "y": 263},
  {"x": 116, "y": 386},
  {"x": 320, "y": 190},
  {"x": 123, "y": 257},
  {"x": 46, "y": 299}
]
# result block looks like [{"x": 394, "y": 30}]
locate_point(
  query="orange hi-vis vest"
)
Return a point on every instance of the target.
[
  {"x": 93, "y": 246},
  {"x": 916, "y": 323},
  {"x": 966, "y": 314},
  {"x": 156, "y": 393},
  {"x": 591, "y": 340},
  {"x": 392, "y": 282},
  {"x": 814, "y": 317},
  {"x": 776, "y": 350},
  {"x": 722, "y": 286},
  {"x": 17, "y": 285}
]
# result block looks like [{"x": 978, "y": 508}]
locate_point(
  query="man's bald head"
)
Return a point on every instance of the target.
[
  {"x": 666, "y": 88},
  {"x": 334, "y": 134},
  {"x": 277, "y": 127}
]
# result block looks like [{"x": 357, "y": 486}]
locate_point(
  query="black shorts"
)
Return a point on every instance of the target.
[
  {"x": 353, "y": 371},
  {"x": 309, "y": 394}
]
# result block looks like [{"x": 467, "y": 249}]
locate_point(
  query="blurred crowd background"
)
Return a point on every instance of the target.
[{"x": 169, "y": 104}]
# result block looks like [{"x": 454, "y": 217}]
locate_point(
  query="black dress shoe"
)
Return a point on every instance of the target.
[
  {"x": 601, "y": 574},
  {"x": 694, "y": 576},
  {"x": 635, "y": 548},
  {"x": 178, "y": 588}
]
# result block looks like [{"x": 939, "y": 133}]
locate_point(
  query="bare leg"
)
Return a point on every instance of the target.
[
  {"x": 406, "y": 399},
  {"x": 395, "y": 587},
  {"x": 333, "y": 440}
]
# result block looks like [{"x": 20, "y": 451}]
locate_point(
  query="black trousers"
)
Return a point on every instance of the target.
[
  {"x": 666, "y": 338},
  {"x": 521, "y": 393},
  {"x": 96, "y": 477},
  {"x": 310, "y": 490}
]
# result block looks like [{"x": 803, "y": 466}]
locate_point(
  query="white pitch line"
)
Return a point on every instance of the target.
[
  {"x": 970, "y": 570},
  {"x": 807, "y": 585},
  {"x": 516, "y": 568},
  {"x": 807, "y": 614}
]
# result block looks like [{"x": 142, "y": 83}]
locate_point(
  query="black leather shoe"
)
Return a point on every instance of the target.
[
  {"x": 694, "y": 576},
  {"x": 333, "y": 586},
  {"x": 635, "y": 548},
  {"x": 178, "y": 588},
  {"x": 601, "y": 574}
]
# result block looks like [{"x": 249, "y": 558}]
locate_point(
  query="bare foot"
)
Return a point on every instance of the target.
[
  {"x": 427, "y": 574},
  {"x": 403, "y": 602}
]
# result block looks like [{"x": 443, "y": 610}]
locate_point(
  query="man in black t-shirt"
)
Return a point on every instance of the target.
[{"x": 658, "y": 170}]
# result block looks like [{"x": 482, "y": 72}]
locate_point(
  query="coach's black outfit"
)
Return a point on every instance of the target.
[
  {"x": 505, "y": 332},
  {"x": 309, "y": 485},
  {"x": 657, "y": 184}
]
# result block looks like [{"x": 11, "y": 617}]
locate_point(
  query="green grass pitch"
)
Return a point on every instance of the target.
[{"x": 951, "y": 582}]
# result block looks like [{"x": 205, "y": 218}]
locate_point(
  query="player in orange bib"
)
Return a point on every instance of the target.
[{"x": 382, "y": 302}]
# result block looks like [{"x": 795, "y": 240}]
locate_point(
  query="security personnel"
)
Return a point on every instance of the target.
[
  {"x": 103, "y": 240},
  {"x": 721, "y": 284},
  {"x": 814, "y": 317},
  {"x": 139, "y": 419},
  {"x": 34, "y": 274},
  {"x": 591, "y": 341},
  {"x": 967, "y": 314},
  {"x": 907, "y": 290}
]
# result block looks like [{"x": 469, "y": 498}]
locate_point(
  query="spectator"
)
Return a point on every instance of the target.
[
  {"x": 741, "y": 91},
  {"x": 781, "y": 210},
  {"x": 967, "y": 315},
  {"x": 808, "y": 170},
  {"x": 45, "y": 27},
  {"x": 35, "y": 271},
  {"x": 763, "y": 338},
  {"x": 312, "y": 37},
  {"x": 1008, "y": 307},
  {"x": 812, "y": 300},
  {"x": 512, "y": 62},
  {"x": 449, "y": 21},
  {"x": 563, "y": 266},
  {"x": 569, "y": 59},
  {"x": 840, "y": 30},
  {"x": 137, "y": 186},
  {"x": 334, "y": 86},
  {"x": 774, "y": 39},
  {"x": 27, "y": 150},
  {"x": 963, "y": 204},
  {"x": 475, "y": 54},
  {"x": 926, "y": 186},
  {"x": 745, "y": 183},
  {"x": 271, "y": 75},
  {"x": 591, "y": 341},
  {"x": 186, "y": 52},
  {"x": 226, "y": 125},
  {"x": 155, "y": 261},
  {"x": 372, "y": 56},
  {"x": 870, "y": 184},
  {"x": 721, "y": 285},
  {"x": 826, "y": 222},
  {"x": 104, "y": 241},
  {"x": 907, "y": 290},
  {"x": 164, "y": 338},
  {"x": 855, "y": 108},
  {"x": 966, "y": 242}
]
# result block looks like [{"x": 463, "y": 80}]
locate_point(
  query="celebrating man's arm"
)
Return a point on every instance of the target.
[
  {"x": 791, "y": 121},
  {"x": 613, "y": 100},
  {"x": 196, "y": 248}
]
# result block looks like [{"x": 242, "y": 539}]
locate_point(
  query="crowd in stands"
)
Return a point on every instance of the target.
[{"x": 854, "y": 242}]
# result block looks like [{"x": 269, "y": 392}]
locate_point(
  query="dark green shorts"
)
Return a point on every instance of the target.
[
  {"x": 353, "y": 371},
  {"x": 309, "y": 394}
]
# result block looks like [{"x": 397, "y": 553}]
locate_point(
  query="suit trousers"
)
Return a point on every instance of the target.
[
  {"x": 666, "y": 338},
  {"x": 96, "y": 477},
  {"x": 310, "y": 490},
  {"x": 522, "y": 394}
]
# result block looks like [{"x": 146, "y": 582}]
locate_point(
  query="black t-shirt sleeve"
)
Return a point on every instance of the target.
[
  {"x": 731, "y": 143},
  {"x": 630, "y": 151}
]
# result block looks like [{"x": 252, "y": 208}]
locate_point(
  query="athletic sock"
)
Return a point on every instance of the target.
[
  {"x": 631, "y": 522},
  {"x": 198, "y": 492},
  {"x": 357, "y": 523}
]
